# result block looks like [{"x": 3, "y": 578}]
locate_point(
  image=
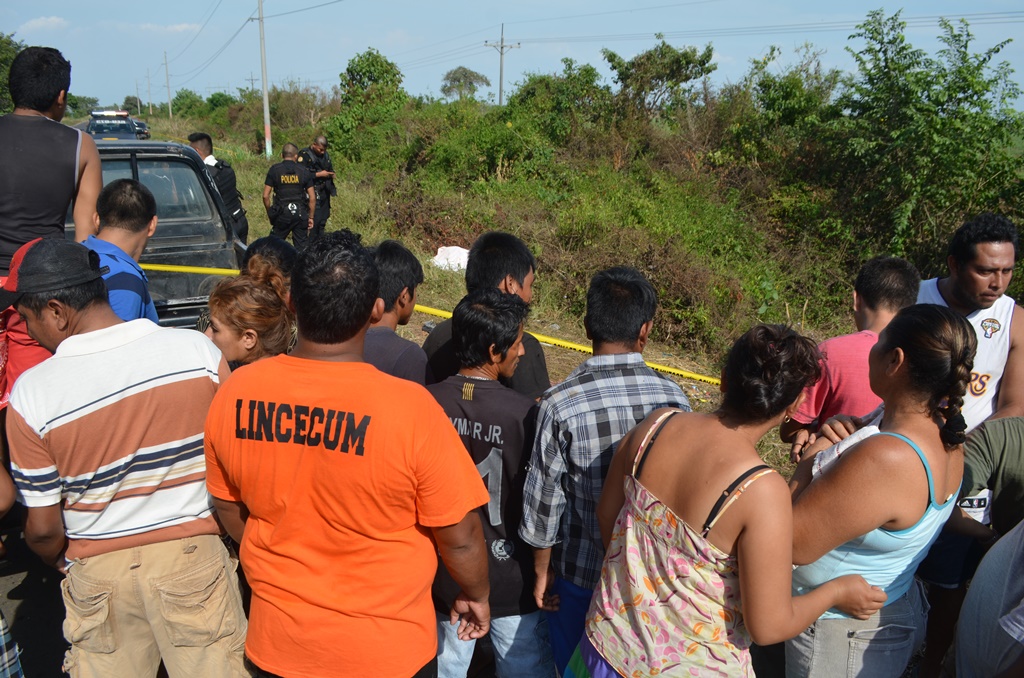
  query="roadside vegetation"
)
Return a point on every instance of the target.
[{"x": 743, "y": 202}]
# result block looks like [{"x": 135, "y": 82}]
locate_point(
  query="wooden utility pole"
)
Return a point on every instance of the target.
[
  {"x": 502, "y": 48},
  {"x": 149, "y": 92},
  {"x": 266, "y": 96},
  {"x": 167, "y": 76},
  {"x": 138, "y": 101}
]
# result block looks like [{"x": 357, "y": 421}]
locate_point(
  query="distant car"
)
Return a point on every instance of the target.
[
  {"x": 141, "y": 128},
  {"x": 111, "y": 125}
]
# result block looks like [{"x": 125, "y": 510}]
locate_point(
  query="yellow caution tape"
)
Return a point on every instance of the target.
[{"x": 447, "y": 314}]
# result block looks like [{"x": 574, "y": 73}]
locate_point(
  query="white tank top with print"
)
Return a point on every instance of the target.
[{"x": 992, "y": 325}]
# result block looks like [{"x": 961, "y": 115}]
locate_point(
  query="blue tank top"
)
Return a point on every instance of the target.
[{"x": 885, "y": 558}]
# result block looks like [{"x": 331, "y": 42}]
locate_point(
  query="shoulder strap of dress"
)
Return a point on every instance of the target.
[
  {"x": 652, "y": 434},
  {"x": 920, "y": 455},
  {"x": 732, "y": 493}
]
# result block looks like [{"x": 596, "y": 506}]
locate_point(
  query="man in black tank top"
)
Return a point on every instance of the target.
[
  {"x": 44, "y": 167},
  {"x": 294, "y": 201}
]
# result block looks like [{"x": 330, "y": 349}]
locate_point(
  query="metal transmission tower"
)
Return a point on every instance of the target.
[{"x": 502, "y": 48}]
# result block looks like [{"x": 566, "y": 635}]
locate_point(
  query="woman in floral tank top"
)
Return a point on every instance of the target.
[{"x": 669, "y": 600}]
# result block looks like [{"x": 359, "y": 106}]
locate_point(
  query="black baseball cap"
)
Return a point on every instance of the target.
[{"x": 49, "y": 264}]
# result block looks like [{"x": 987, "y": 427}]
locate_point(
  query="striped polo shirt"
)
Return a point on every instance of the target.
[{"x": 112, "y": 425}]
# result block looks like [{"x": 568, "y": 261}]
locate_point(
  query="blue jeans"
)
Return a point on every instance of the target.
[
  {"x": 521, "y": 648},
  {"x": 568, "y": 623},
  {"x": 879, "y": 647}
]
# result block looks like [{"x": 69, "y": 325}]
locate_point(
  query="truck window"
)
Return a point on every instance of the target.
[{"x": 176, "y": 189}]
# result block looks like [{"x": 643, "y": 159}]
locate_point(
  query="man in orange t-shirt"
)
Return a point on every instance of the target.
[{"x": 341, "y": 484}]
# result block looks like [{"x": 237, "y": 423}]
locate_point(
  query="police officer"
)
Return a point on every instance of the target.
[
  {"x": 294, "y": 199},
  {"x": 223, "y": 176},
  {"x": 316, "y": 159}
]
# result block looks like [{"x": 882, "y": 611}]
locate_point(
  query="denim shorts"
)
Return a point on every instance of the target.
[{"x": 878, "y": 647}]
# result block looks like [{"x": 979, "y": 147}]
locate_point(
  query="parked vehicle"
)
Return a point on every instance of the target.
[{"x": 193, "y": 227}]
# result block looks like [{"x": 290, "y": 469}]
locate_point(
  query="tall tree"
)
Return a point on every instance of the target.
[
  {"x": 9, "y": 48},
  {"x": 462, "y": 82},
  {"x": 655, "y": 79}
]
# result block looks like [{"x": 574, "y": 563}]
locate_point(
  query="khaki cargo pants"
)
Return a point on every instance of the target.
[{"x": 176, "y": 601}]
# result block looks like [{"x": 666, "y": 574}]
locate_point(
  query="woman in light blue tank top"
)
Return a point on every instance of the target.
[{"x": 876, "y": 509}]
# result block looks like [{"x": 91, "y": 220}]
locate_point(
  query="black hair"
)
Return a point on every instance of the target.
[
  {"x": 77, "y": 297},
  {"x": 486, "y": 317},
  {"x": 398, "y": 268},
  {"x": 334, "y": 288},
  {"x": 985, "y": 227},
  {"x": 620, "y": 301},
  {"x": 203, "y": 140},
  {"x": 37, "y": 77},
  {"x": 765, "y": 371},
  {"x": 278, "y": 252},
  {"x": 289, "y": 150},
  {"x": 939, "y": 346},
  {"x": 496, "y": 255},
  {"x": 126, "y": 204},
  {"x": 888, "y": 283}
]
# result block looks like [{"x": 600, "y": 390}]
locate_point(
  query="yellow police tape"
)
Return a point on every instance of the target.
[{"x": 446, "y": 314}]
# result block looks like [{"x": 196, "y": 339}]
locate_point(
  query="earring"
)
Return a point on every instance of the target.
[{"x": 786, "y": 420}]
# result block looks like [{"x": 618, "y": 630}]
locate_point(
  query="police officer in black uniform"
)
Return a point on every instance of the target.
[
  {"x": 316, "y": 159},
  {"x": 223, "y": 176},
  {"x": 294, "y": 200}
]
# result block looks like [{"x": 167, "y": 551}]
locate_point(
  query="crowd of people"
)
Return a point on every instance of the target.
[{"x": 304, "y": 492}]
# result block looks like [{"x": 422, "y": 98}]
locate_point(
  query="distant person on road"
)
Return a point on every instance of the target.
[
  {"x": 110, "y": 467},
  {"x": 293, "y": 206},
  {"x": 317, "y": 160},
  {"x": 343, "y": 486},
  {"x": 45, "y": 167},
  {"x": 224, "y": 176},
  {"x": 883, "y": 286},
  {"x": 400, "y": 274},
  {"x": 126, "y": 218},
  {"x": 496, "y": 425},
  {"x": 504, "y": 261}
]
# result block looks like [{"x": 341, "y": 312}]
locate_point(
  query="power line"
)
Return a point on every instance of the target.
[
  {"x": 196, "y": 36},
  {"x": 443, "y": 42},
  {"x": 441, "y": 56},
  {"x": 206, "y": 64},
  {"x": 615, "y": 11},
  {"x": 304, "y": 9}
]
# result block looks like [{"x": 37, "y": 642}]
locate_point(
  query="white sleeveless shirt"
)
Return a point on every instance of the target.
[{"x": 992, "y": 326}]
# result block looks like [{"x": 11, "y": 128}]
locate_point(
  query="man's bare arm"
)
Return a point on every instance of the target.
[
  {"x": 1011, "y": 398},
  {"x": 90, "y": 183},
  {"x": 267, "y": 190},
  {"x": 44, "y": 534},
  {"x": 464, "y": 553},
  {"x": 232, "y": 515}
]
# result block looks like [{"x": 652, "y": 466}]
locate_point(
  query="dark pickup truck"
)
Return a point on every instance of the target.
[{"x": 193, "y": 223}]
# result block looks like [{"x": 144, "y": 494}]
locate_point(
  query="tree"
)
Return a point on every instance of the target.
[
  {"x": 653, "y": 80},
  {"x": 925, "y": 141},
  {"x": 187, "y": 103},
  {"x": 371, "y": 95},
  {"x": 220, "y": 100},
  {"x": 80, "y": 106},
  {"x": 462, "y": 82},
  {"x": 132, "y": 104},
  {"x": 9, "y": 48}
]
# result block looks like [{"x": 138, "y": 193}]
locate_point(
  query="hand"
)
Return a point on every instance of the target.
[
  {"x": 801, "y": 440},
  {"x": 542, "y": 595},
  {"x": 473, "y": 617},
  {"x": 856, "y": 597},
  {"x": 839, "y": 427},
  {"x": 309, "y": 226}
]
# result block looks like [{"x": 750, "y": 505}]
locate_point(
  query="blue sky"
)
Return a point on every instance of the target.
[{"x": 111, "y": 44}]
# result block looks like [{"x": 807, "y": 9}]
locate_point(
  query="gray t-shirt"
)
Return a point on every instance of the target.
[
  {"x": 396, "y": 356},
  {"x": 990, "y": 633}
]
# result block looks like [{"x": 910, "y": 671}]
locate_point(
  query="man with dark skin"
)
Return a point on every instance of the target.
[
  {"x": 317, "y": 160},
  {"x": 289, "y": 198}
]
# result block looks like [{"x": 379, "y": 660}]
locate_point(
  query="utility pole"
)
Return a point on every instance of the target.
[
  {"x": 149, "y": 92},
  {"x": 266, "y": 96},
  {"x": 252, "y": 80},
  {"x": 502, "y": 48},
  {"x": 167, "y": 76},
  {"x": 138, "y": 101}
]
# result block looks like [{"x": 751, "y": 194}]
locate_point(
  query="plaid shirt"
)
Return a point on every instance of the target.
[
  {"x": 579, "y": 424},
  {"x": 10, "y": 663}
]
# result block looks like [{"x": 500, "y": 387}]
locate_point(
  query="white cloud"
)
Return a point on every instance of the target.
[
  {"x": 173, "y": 28},
  {"x": 43, "y": 23}
]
